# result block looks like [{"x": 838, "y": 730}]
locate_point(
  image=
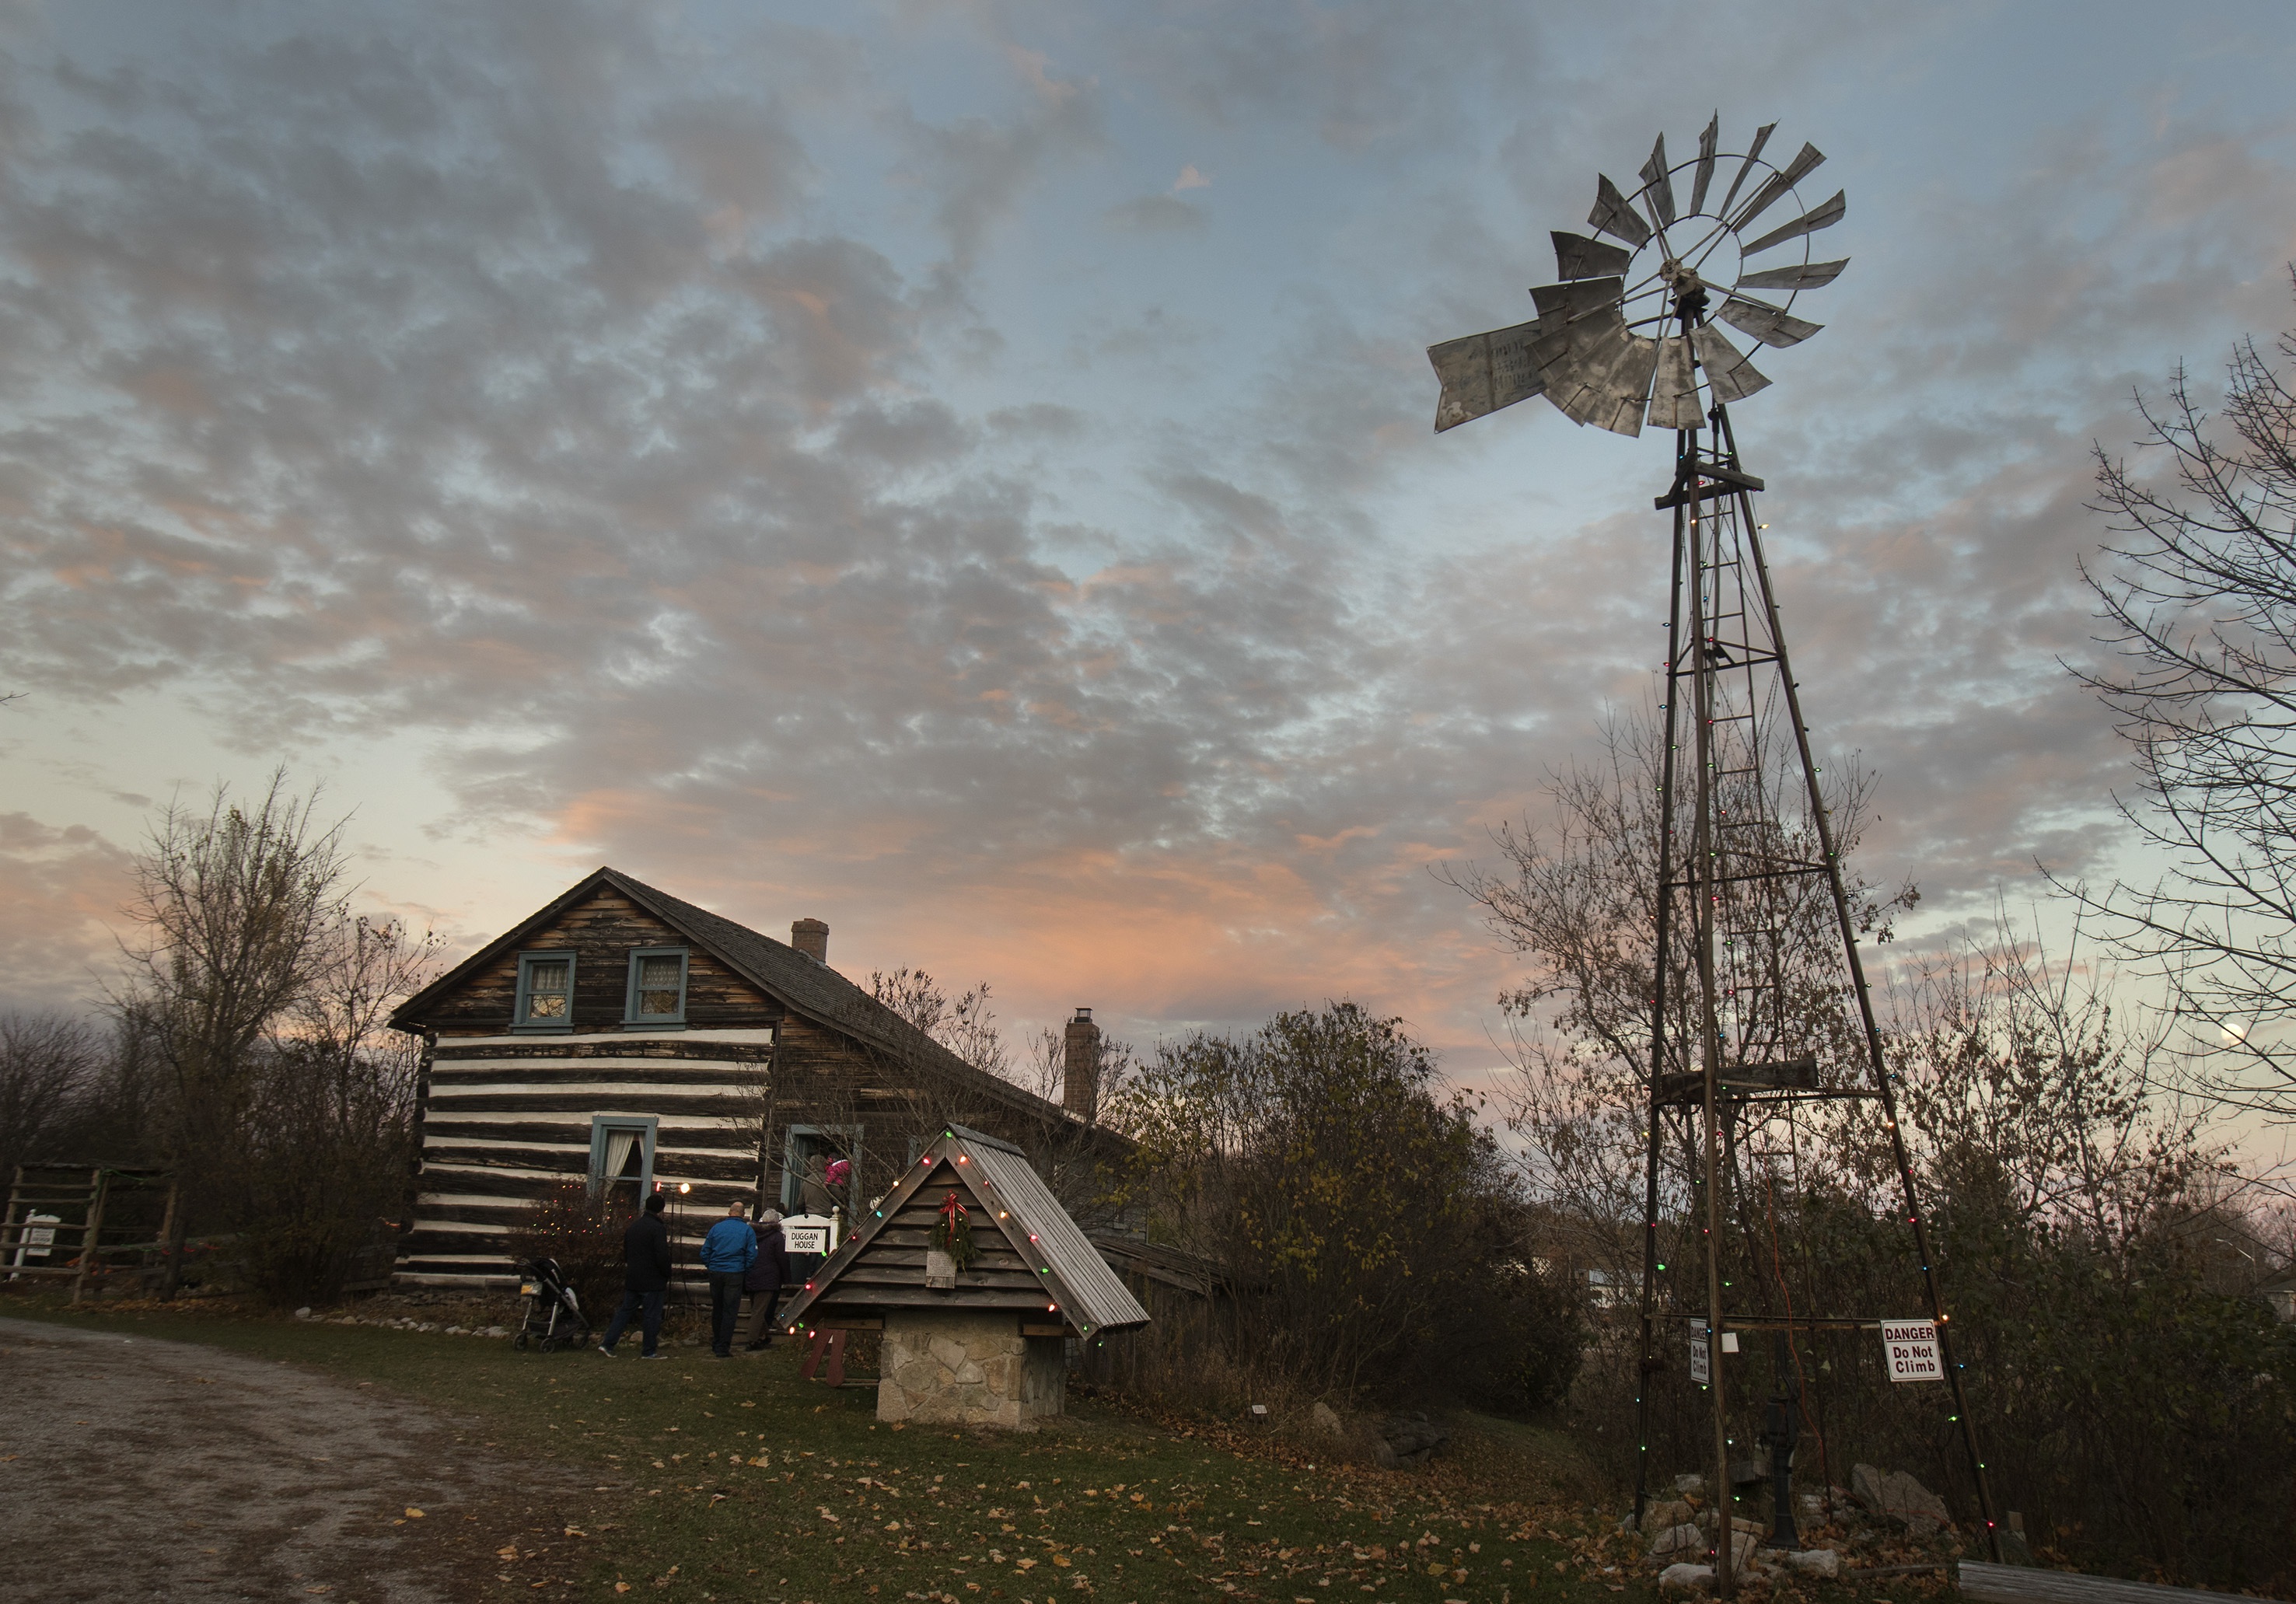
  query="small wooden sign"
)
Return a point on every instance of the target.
[{"x": 809, "y": 1233}]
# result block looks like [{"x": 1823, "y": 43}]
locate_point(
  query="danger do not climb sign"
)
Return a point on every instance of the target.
[{"x": 1909, "y": 1347}]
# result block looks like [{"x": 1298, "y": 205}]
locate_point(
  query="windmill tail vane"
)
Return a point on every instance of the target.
[
  {"x": 1752, "y": 916},
  {"x": 1627, "y": 337}
]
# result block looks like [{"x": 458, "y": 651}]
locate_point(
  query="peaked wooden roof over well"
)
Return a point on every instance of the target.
[{"x": 1029, "y": 1256}]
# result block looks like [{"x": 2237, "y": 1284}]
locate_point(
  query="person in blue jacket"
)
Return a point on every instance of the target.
[{"x": 727, "y": 1252}]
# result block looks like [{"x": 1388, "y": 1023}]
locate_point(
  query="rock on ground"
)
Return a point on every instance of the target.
[
  {"x": 1326, "y": 1420},
  {"x": 1895, "y": 1495},
  {"x": 1410, "y": 1439},
  {"x": 1685, "y": 1538},
  {"x": 1688, "y": 1578},
  {"x": 1815, "y": 1562},
  {"x": 1673, "y": 1512}
]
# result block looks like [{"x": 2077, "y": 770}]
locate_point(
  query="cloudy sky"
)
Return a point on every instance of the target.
[{"x": 965, "y": 472}]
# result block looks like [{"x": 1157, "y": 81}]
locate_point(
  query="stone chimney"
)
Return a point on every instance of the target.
[
  {"x": 1080, "y": 1067},
  {"x": 811, "y": 937}
]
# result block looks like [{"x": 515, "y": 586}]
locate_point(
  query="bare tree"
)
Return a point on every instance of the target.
[
  {"x": 235, "y": 907},
  {"x": 324, "y": 1151},
  {"x": 49, "y": 1064},
  {"x": 2199, "y": 600},
  {"x": 964, "y": 1024},
  {"x": 1579, "y": 900}
]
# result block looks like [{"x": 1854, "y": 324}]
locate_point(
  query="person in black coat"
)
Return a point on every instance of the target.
[
  {"x": 646, "y": 1279},
  {"x": 764, "y": 1282}
]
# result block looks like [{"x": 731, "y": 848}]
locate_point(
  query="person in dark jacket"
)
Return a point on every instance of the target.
[
  {"x": 645, "y": 1278},
  {"x": 764, "y": 1282}
]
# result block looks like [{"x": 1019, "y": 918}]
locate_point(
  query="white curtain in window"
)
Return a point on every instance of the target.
[{"x": 619, "y": 1143}]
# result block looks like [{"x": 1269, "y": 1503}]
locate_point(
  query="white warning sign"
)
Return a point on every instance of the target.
[
  {"x": 1701, "y": 1365},
  {"x": 1910, "y": 1349}
]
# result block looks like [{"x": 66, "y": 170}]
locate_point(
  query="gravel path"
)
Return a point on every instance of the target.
[{"x": 135, "y": 1468}]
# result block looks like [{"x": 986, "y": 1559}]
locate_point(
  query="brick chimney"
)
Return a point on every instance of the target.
[
  {"x": 1080, "y": 1067},
  {"x": 811, "y": 937}
]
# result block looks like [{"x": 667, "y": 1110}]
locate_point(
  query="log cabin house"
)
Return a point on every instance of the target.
[{"x": 631, "y": 1042}]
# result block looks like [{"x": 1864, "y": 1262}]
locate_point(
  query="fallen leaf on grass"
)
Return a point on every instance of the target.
[
  {"x": 621, "y": 1587},
  {"x": 509, "y": 1552},
  {"x": 575, "y": 1531},
  {"x": 413, "y": 1513}
]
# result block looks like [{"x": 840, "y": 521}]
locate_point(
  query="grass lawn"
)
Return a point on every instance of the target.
[{"x": 735, "y": 1479}]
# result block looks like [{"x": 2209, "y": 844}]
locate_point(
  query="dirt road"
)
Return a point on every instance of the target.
[{"x": 131, "y": 1469}]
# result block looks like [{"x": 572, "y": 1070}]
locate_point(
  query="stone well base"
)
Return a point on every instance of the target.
[{"x": 963, "y": 1367}]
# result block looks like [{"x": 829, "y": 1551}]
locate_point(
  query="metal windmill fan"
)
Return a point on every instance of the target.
[
  {"x": 1748, "y": 867},
  {"x": 1613, "y": 344}
]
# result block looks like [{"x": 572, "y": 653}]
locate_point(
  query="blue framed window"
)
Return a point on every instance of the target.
[
  {"x": 621, "y": 1158},
  {"x": 657, "y": 988},
  {"x": 545, "y": 992}
]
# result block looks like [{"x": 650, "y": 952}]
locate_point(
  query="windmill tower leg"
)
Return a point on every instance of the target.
[
  {"x": 1877, "y": 1062},
  {"x": 1648, "y": 1363},
  {"x": 1702, "y": 879}
]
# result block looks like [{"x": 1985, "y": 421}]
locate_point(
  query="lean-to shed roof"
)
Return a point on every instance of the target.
[{"x": 1093, "y": 1288}]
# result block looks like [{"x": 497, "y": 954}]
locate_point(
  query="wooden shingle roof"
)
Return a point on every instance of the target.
[
  {"x": 809, "y": 988},
  {"x": 1031, "y": 1257}
]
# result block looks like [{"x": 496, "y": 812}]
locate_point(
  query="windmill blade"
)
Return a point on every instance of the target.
[
  {"x": 1733, "y": 377},
  {"x": 1674, "y": 391},
  {"x": 1613, "y": 216},
  {"x": 1805, "y": 276},
  {"x": 1577, "y": 257},
  {"x": 1753, "y": 154},
  {"x": 1658, "y": 184},
  {"x": 1559, "y": 304},
  {"x": 1705, "y": 178},
  {"x": 1810, "y": 222},
  {"x": 1598, "y": 373},
  {"x": 1781, "y": 181},
  {"x": 1483, "y": 372},
  {"x": 1766, "y": 322}
]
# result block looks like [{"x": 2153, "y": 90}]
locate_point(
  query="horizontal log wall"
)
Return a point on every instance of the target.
[{"x": 505, "y": 1121}]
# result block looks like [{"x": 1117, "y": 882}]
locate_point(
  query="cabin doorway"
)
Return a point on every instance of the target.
[{"x": 812, "y": 1180}]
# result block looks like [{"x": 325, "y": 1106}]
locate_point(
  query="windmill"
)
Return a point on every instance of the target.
[{"x": 1632, "y": 336}]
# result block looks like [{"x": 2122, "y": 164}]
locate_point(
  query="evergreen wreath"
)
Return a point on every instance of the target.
[{"x": 953, "y": 1232}]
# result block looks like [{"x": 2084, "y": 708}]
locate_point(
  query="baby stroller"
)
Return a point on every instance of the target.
[{"x": 554, "y": 1314}]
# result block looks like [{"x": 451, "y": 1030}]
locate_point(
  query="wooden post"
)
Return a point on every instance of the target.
[
  {"x": 167, "y": 1215},
  {"x": 92, "y": 1233},
  {"x": 11, "y": 1236}
]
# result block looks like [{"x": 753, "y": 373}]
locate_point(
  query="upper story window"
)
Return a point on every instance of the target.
[
  {"x": 657, "y": 995},
  {"x": 545, "y": 992}
]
